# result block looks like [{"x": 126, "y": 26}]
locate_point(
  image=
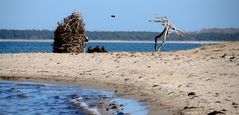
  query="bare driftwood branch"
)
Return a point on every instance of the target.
[{"x": 168, "y": 27}]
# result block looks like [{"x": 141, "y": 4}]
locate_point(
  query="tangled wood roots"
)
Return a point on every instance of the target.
[{"x": 70, "y": 35}]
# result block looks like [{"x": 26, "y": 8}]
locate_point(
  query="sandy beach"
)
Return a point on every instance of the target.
[{"x": 192, "y": 82}]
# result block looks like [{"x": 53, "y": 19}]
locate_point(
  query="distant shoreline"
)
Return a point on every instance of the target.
[{"x": 115, "y": 41}]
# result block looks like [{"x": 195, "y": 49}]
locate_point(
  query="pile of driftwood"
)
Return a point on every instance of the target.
[
  {"x": 97, "y": 49},
  {"x": 70, "y": 35}
]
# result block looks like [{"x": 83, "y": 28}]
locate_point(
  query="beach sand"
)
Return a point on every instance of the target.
[{"x": 192, "y": 82}]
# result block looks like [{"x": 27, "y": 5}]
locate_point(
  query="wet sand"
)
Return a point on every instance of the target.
[{"x": 193, "y": 82}]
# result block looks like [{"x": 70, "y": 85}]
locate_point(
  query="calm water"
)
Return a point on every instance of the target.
[
  {"x": 15, "y": 47},
  {"x": 29, "y": 98}
]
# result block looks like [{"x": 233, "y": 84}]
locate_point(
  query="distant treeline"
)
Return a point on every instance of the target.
[
  {"x": 26, "y": 34},
  {"x": 229, "y": 34}
]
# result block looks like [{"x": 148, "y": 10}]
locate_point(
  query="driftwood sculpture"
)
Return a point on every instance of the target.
[
  {"x": 168, "y": 26},
  {"x": 70, "y": 35}
]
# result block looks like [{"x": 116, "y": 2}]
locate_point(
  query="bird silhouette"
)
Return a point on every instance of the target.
[{"x": 112, "y": 16}]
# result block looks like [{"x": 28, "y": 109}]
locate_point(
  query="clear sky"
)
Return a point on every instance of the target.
[{"x": 131, "y": 15}]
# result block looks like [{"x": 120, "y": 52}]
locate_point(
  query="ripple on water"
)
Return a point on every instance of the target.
[{"x": 35, "y": 98}]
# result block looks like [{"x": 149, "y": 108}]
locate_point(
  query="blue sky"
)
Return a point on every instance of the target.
[{"x": 131, "y": 15}]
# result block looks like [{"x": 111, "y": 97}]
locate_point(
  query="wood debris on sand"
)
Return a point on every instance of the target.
[{"x": 70, "y": 35}]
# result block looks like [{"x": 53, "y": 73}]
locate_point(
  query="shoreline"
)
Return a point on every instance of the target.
[
  {"x": 121, "y": 91},
  {"x": 198, "y": 81},
  {"x": 116, "y": 41},
  {"x": 100, "y": 104}
]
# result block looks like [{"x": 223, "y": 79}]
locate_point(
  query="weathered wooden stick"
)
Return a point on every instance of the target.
[{"x": 168, "y": 26}]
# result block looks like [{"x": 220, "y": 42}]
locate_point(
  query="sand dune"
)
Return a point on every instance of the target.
[{"x": 195, "y": 82}]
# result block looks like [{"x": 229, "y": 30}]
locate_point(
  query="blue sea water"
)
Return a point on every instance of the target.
[
  {"x": 17, "y": 47},
  {"x": 29, "y": 98}
]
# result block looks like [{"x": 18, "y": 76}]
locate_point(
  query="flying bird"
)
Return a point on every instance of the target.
[{"x": 112, "y": 16}]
